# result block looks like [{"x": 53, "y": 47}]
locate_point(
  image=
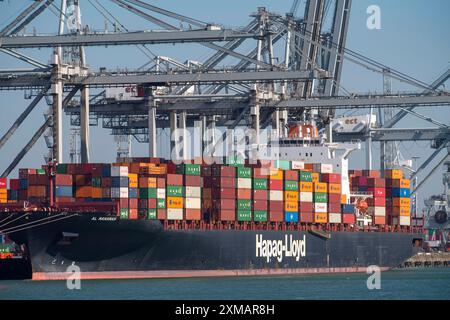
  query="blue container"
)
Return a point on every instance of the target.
[
  {"x": 63, "y": 191},
  {"x": 401, "y": 193},
  {"x": 119, "y": 182},
  {"x": 106, "y": 170},
  {"x": 348, "y": 208},
  {"x": 23, "y": 184},
  {"x": 291, "y": 216},
  {"x": 133, "y": 193}
]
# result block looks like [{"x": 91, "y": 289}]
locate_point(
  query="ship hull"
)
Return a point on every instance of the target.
[{"x": 106, "y": 247}]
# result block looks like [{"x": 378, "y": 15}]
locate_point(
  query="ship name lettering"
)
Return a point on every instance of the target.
[{"x": 279, "y": 249}]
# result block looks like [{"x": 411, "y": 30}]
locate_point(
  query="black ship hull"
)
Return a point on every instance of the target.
[{"x": 107, "y": 247}]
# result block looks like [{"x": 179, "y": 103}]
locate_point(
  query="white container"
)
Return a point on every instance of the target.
[
  {"x": 193, "y": 192},
  {"x": 320, "y": 207},
  {"x": 174, "y": 214},
  {"x": 334, "y": 218},
  {"x": 405, "y": 221},
  {"x": 192, "y": 203},
  {"x": 119, "y": 171},
  {"x": 377, "y": 211},
  {"x": 119, "y": 192},
  {"x": 275, "y": 195},
  {"x": 297, "y": 165},
  {"x": 323, "y": 167},
  {"x": 161, "y": 193},
  {"x": 244, "y": 183},
  {"x": 305, "y": 196}
]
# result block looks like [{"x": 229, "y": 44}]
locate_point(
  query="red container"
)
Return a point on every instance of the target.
[
  {"x": 193, "y": 181},
  {"x": 376, "y": 183},
  {"x": 227, "y": 215},
  {"x": 376, "y": 202},
  {"x": 331, "y": 177},
  {"x": 378, "y": 192},
  {"x": 223, "y": 193},
  {"x": 193, "y": 214},
  {"x": 161, "y": 182},
  {"x": 14, "y": 184},
  {"x": 260, "y": 195},
  {"x": 224, "y": 204},
  {"x": 223, "y": 182},
  {"x": 371, "y": 173},
  {"x": 3, "y": 183},
  {"x": 133, "y": 203},
  {"x": 63, "y": 180},
  {"x": 206, "y": 171},
  {"x": 106, "y": 182},
  {"x": 152, "y": 203},
  {"x": 276, "y": 205},
  {"x": 161, "y": 214},
  {"x": 244, "y": 194},
  {"x": 379, "y": 220},
  {"x": 218, "y": 170},
  {"x": 307, "y": 217},
  {"x": 334, "y": 208},
  {"x": 133, "y": 214},
  {"x": 348, "y": 218},
  {"x": 305, "y": 207},
  {"x": 276, "y": 184},
  {"x": 24, "y": 173},
  {"x": 276, "y": 216},
  {"x": 123, "y": 203},
  {"x": 260, "y": 173},
  {"x": 175, "y": 179},
  {"x": 143, "y": 203},
  {"x": 334, "y": 198},
  {"x": 291, "y": 175},
  {"x": 64, "y": 199},
  {"x": 260, "y": 205},
  {"x": 359, "y": 181}
]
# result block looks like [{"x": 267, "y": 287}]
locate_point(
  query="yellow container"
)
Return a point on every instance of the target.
[
  {"x": 393, "y": 174},
  {"x": 334, "y": 188},
  {"x": 175, "y": 202},
  {"x": 97, "y": 193},
  {"x": 321, "y": 187},
  {"x": 306, "y": 186},
  {"x": 3, "y": 201},
  {"x": 402, "y": 211},
  {"x": 291, "y": 206},
  {"x": 405, "y": 183},
  {"x": 291, "y": 196},
  {"x": 276, "y": 174},
  {"x": 133, "y": 180},
  {"x": 320, "y": 217},
  {"x": 3, "y": 192},
  {"x": 343, "y": 199},
  {"x": 401, "y": 202},
  {"x": 315, "y": 177}
]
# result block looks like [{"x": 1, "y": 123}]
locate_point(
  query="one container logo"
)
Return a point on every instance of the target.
[{"x": 280, "y": 248}]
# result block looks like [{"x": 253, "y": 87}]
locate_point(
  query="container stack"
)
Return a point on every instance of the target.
[
  {"x": 244, "y": 193},
  {"x": 320, "y": 202},
  {"x": 348, "y": 213},
  {"x": 398, "y": 194},
  {"x": 38, "y": 186},
  {"x": 23, "y": 180},
  {"x": 119, "y": 191},
  {"x": 333, "y": 181},
  {"x": 223, "y": 192},
  {"x": 175, "y": 196},
  {"x": 262, "y": 178},
  {"x": 377, "y": 204},
  {"x": 291, "y": 196},
  {"x": 306, "y": 203},
  {"x": 193, "y": 191},
  {"x": 3, "y": 190},
  {"x": 63, "y": 188},
  {"x": 14, "y": 188}
]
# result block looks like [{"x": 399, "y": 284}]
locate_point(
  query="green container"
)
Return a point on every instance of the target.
[
  {"x": 260, "y": 216},
  {"x": 244, "y": 204},
  {"x": 151, "y": 214},
  {"x": 147, "y": 193},
  {"x": 189, "y": 169},
  {"x": 40, "y": 171},
  {"x": 96, "y": 182},
  {"x": 260, "y": 184},
  {"x": 283, "y": 164},
  {"x": 290, "y": 185},
  {"x": 320, "y": 197},
  {"x": 305, "y": 176},
  {"x": 235, "y": 161},
  {"x": 243, "y": 172},
  {"x": 61, "y": 168},
  {"x": 4, "y": 248},
  {"x": 161, "y": 203},
  {"x": 175, "y": 191},
  {"x": 244, "y": 215},
  {"x": 123, "y": 213}
]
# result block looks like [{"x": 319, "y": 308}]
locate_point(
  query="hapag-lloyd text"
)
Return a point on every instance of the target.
[{"x": 279, "y": 248}]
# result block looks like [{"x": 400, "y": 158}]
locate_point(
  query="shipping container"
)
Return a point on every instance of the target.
[
  {"x": 291, "y": 216},
  {"x": 334, "y": 218},
  {"x": 320, "y": 217}
]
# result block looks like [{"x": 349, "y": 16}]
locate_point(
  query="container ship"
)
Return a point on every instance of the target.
[{"x": 150, "y": 217}]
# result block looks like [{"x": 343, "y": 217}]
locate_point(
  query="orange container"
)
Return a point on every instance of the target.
[
  {"x": 334, "y": 188},
  {"x": 379, "y": 220},
  {"x": 315, "y": 177},
  {"x": 133, "y": 180},
  {"x": 291, "y": 206},
  {"x": 245, "y": 194},
  {"x": 320, "y": 217},
  {"x": 401, "y": 183},
  {"x": 175, "y": 202},
  {"x": 306, "y": 186},
  {"x": 276, "y": 174},
  {"x": 97, "y": 193},
  {"x": 401, "y": 211},
  {"x": 83, "y": 192},
  {"x": 343, "y": 199},
  {"x": 321, "y": 187},
  {"x": 147, "y": 182},
  {"x": 393, "y": 174},
  {"x": 291, "y": 196},
  {"x": 401, "y": 202}
]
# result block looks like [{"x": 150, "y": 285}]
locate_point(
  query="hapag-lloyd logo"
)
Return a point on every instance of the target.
[{"x": 280, "y": 248}]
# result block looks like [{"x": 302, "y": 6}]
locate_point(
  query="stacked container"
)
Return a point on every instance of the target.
[
  {"x": 23, "y": 181},
  {"x": 223, "y": 192},
  {"x": 320, "y": 202},
  {"x": 3, "y": 190},
  {"x": 333, "y": 181},
  {"x": 174, "y": 196},
  {"x": 38, "y": 186},
  {"x": 262, "y": 179},
  {"x": 305, "y": 197},
  {"x": 377, "y": 204},
  {"x": 399, "y": 201},
  {"x": 119, "y": 191},
  {"x": 244, "y": 194},
  {"x": 193, "y": 191},
  {"x": 14, "y": 188},
  {"x": 291, "y": 196},
  {"x": 63, "y": 188}
]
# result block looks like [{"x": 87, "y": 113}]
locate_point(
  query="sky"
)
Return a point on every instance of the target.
[{"x": 413, "y": 39}]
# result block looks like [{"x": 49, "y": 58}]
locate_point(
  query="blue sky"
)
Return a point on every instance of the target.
[{"x": 413, "y": 39}]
